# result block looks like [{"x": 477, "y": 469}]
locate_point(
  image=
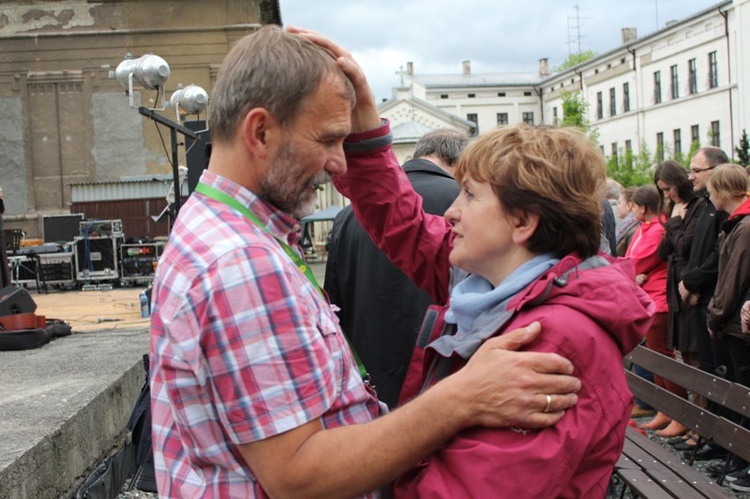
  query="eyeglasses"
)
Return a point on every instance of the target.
[{"x": 701, "y": 170}]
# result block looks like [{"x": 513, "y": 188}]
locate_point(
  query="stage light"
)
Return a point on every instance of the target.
[
  {"x": 149, "y": 71},
  {"x": 192, "y": 99}
]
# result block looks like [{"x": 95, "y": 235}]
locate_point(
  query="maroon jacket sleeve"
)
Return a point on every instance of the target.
[{"x": 391, "y": 212}]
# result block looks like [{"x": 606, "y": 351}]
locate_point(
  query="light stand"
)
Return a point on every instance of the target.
[{"x": 173, "y": 129}]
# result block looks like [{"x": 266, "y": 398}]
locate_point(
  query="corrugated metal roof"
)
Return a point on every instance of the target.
[{"x": 131, "y": 187}]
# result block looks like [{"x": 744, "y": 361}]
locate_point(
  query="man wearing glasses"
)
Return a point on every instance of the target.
[{"x": 699, "y": 278}]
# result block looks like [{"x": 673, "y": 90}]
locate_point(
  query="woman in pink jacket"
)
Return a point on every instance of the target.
[
  {"x": 523, "y": 239},
  {"x": 651, "y": 275}
]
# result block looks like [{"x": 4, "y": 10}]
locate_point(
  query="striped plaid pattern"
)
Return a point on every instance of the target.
[{"x": 243, "y": 347}]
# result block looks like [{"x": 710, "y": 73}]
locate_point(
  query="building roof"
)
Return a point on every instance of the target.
[
  {"x": 477, "y": 80},
  {"x": 409, "y": 132},
  {"x": 633, "y": 43}
]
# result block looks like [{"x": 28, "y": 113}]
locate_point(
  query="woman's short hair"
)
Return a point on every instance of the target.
[
  {"x": 270, "y": 69},
  {"x": 673, "y": 173},
  {"x": 557, "y": 173},
  {"x": 728, "y": 181},
  {"x": 648, "y": 196}
]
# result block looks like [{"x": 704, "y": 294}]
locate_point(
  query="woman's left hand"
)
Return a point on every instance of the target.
[
  {"x": 640, "y": 279},
  {"x": 679, "y": 210}
]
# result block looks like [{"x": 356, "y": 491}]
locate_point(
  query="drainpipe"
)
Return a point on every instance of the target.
[
  {"x": 540, "y": 93},
  {"x": 725, "y": 15},
  {"x": 639, "y": 114}
]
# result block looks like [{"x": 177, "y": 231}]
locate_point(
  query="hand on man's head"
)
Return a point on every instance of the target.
[{"x": 365, "y": 114}]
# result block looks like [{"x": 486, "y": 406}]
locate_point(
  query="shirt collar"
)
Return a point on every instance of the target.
[{"x": 278, "y": 223}]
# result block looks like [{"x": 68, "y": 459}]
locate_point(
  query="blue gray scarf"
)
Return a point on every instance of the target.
[{"x": 478, "y": 309}]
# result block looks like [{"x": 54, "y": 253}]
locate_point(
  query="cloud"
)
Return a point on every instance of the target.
[{"x": 496, "y": 35}]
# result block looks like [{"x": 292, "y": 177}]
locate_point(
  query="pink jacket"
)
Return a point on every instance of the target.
[
  {"x": 596, "y": 317},
  {"x": 643, "y": 251}
]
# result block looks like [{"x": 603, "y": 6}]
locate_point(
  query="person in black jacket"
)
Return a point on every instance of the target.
[
  {"x": 381, "y": 308},
  {"x": 698, "y": 277}
]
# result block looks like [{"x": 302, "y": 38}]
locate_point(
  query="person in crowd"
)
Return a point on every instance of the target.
[
  {"x": 682, "y": 208},
  {"x": 627, "y": 224},
  {"x": 608, "y": 235},
  {"x": 728, "y": 188},
  {"x": 696, "y": 288},
  {"x": 608, "y": 243},
  {"x": 4, "y": 264},
  {"x": 381, "y": 308},
  {"x": 254, "y": 389},
  {"x": 651, "y": 275},
  {"x": 525, "y": 230}
]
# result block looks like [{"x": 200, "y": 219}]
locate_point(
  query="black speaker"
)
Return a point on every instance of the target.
[
  {"x": 15, "y": 300},
  {"x": 198, "y": 152}
]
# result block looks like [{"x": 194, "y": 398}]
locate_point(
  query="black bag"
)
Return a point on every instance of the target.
[
  {"x": 26, "y": 339},
  {"x": 139, "y": 425}
]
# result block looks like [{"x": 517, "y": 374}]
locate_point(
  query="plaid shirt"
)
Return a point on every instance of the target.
[{"x": 243, "y": 347}]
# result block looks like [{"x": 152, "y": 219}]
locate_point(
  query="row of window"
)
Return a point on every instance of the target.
[
  {"x": 674, "y": 87},
  {"x": 674, "y": 84},
  {"x": 474, "y": 95},
  {"x": 714, "y": 137},
  {"x": 502, "y": 119}
]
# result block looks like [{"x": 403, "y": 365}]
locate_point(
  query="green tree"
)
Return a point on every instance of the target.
[
  {"x": 632, "y": 169},
  {"x": 575, "y": 59},
  {"x": 693, "y": 148},
  {"x": 575, "y": 113},
  {"x": 743, "y": 150}
]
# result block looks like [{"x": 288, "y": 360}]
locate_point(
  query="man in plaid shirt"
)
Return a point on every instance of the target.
[{"x": 254, "y": 389}]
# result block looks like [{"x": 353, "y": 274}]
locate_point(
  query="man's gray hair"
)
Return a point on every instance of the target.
[
  {"x": 269, "y": 69},
  {"x": 443, "y": 143}
]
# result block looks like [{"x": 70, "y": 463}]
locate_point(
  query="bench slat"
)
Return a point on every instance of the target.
[
  {"x": 712, "y": 387},
  {"x": 644, "y": 485},
  {"x": 671, "y": 471},
  {"x": 722, "y": 431}
]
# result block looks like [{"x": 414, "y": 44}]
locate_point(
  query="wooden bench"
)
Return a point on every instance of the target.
[{"x": 649, "y": 470}]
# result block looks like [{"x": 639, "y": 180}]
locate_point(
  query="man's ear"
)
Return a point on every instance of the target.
[
  {"x": 260, "y": 132},
  {"x": 524, "y": 226}
]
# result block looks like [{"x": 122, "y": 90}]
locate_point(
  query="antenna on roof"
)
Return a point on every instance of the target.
[{"x": 576, "y": 28}]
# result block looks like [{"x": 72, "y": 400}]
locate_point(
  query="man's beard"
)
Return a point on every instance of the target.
[{"x": 284, "y": 186}]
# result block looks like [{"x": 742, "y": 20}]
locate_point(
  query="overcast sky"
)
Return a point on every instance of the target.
[{"x": 495, "y": 35}]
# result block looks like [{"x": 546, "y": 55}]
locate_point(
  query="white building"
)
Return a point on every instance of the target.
[{"x": 684, "y": 83}]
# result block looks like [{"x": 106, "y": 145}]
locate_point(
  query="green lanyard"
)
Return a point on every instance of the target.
[{"x": 303, "y": 267}]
